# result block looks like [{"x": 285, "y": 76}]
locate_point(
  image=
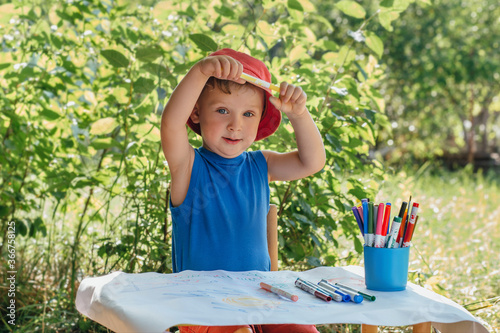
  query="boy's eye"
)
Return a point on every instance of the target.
[
  {"x": 222, "y": 111},
  {"x": 248, "y": 114}
]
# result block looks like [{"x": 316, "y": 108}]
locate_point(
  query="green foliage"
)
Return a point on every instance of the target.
[
  {"x": 83, "y": 88},
  {"x": 442, "y": 90}
]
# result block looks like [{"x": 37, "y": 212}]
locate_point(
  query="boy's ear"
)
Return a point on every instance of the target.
[{"x": 195, "y": 114}]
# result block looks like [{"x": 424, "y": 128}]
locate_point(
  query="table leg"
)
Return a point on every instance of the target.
[
  {"x": 417, "y": 328},
  {"x": 422, "y": 328},
  {"x": 369, "y": 328}
]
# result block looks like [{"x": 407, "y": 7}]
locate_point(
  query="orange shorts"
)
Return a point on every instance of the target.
[{"x": 277, "y": 328}]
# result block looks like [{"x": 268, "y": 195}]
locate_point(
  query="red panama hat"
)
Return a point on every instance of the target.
[{"x": 271, "y": 117}]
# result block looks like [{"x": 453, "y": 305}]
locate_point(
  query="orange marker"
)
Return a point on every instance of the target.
[{"x": 278, "y": 291}]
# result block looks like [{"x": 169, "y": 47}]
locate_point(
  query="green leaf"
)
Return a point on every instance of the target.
[
  {"x": 21, "y": 228},
  {"x": 156, "y": 69},
  {"x": 396, "y": 5},
  {"x": 294, "y": 4},
  {"x": 351, "y": 8},
  {"x": 313, "y": 261},
  {"x": 386, "y": 17},
  {"x": 387, "y": 3},
  {"x": 370, "y": 114},
  {"x": 104, "y": 143},
  {"x": 103, "y": 126},
  {"x": 4, "y": 211},
  {"x": 357, "y": 245},
  {"x": 49, "y": 114},
  {"x": 374, "y": 43},
  {"x": 148, "y": 53},
  {"x": 225, "y": 11},
  {"x": 115, "y": 58},
  {"x": 204, "y": 42},
  {"x": 143, "y": 85}
]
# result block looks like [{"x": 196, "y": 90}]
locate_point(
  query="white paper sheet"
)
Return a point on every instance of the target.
[{"x": 152, "y": 302}]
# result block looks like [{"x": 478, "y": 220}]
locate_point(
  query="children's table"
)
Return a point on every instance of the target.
[{"x": 153, "y": 302}]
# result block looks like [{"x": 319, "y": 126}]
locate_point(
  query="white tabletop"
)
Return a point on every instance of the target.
[{"x": 153, "y": 302}]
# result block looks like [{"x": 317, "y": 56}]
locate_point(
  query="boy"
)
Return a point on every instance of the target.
[{"x": 219, "y": 192}]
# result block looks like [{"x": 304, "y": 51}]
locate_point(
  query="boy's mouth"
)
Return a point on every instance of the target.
[{"x": 232, "y": 141}]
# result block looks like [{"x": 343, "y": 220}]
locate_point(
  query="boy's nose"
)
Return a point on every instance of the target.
[{"x": 234, "y": 124}]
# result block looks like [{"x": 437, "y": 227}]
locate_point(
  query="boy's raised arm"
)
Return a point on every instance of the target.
[
  {"x": 174, "y": 137},
  {"x": 310, "y": 156}
]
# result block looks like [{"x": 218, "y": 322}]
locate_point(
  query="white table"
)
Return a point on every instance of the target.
[{"x": 153, "y": 302}]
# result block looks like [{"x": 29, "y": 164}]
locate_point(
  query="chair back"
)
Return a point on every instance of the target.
[{"x": 272, "y": 236}]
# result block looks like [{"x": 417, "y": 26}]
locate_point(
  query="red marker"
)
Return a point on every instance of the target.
[
  {"x": 387, "y": 217},
  {"x": 411, "y": 225},
  {"x": 299, "y": 283}
]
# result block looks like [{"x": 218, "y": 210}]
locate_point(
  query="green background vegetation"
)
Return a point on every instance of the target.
[{"x": 394, "y": 86}]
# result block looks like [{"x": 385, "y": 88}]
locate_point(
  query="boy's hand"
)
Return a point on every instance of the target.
[
  {"x": 222, "y": 67},
  {"x": 292, "y": 100}
]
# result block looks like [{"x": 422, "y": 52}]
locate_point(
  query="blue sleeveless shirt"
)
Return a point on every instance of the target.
[{"x": 221, "y": 224}]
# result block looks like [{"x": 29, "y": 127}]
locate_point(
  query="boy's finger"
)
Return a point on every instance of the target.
[
  {"x": 288, "y": 94},
  {"x": 226, "y": 67},
  {"x": 297, "y": 93},
  {"x": 276, "y": 102},
  {"x": 283, "y": 87}
]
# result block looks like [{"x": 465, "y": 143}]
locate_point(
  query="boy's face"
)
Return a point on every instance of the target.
[{"x": 229, "y": 122}]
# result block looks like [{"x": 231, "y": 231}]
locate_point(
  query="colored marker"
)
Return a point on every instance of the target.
[
  {"x": 403, "y": 219},
  {"x": 345, "y": 297},
  {"x": 379, "y": 238},
  {"x": 365, "y": 295},
  {"x": 403, "y": 209},
  {"x": 353, "y": 296},
  {"x": 366, "y": 219},
  {"x": 279, "y": 291},
  {"x": 259, "y": 82},
  {"x": 334, "y": 296},
  {"x": 371, "y": 231},
  {"x": 358, "y": 219},
  {"x": 411, "y": 236},
  {"x": 299, "y": 283},
  {"x": 385, "y": 225},
  {"x": 411, "y": 225},
  {"x": 360, "y": 212},
  {"x": 396, "y": 226}
]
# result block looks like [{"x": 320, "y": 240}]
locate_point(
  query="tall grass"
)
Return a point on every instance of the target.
[{"x": 456, "y": 245}]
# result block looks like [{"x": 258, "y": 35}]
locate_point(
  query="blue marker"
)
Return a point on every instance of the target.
[
  {"x": 358, "y": 219},
  {"x": 331, "y": 289},
  {"x": 355, "y": 297},
  {"x": 366, "y": 220}
]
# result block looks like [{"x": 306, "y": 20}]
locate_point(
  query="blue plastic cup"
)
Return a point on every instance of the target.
[{"x": 386, "y": 269}]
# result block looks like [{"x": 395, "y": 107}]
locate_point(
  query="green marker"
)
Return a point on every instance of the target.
[
  {"x": 366, "y": 296},
  {"x": 371, "y": 230}
]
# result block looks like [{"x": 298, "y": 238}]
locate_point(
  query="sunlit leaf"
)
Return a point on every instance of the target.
[
  {"x": 351, "y": 8},
  {"x": 374, "y": 43},
  {"x": 386, "y": 18},
  {"x": 103, "y": 126}
]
